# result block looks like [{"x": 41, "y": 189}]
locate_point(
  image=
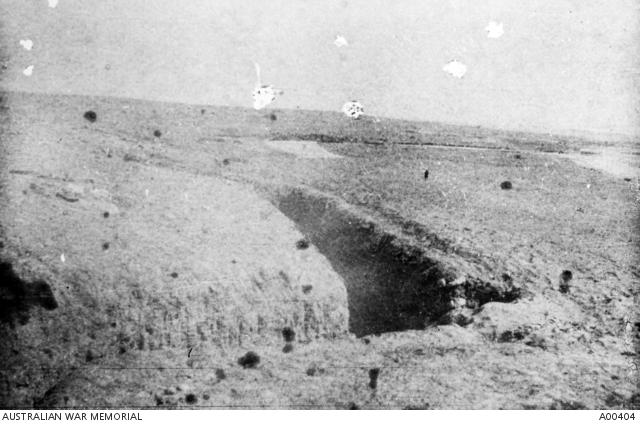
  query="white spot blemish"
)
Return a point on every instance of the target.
[
  {"x": 353, "y": 109},
  {"x": 494, "y": 29},
  {"x": 53, "y": 3},
  {"x": 27, "y": 44},
  {"x": 28, "y": 70},
  {"x": 62, "y": 258},
  {"x": 455, "y": 68},
  {"x": 340, "y": 41},
  {"x": 263, "y": 95},
  {"x": 146, "y": 192}
]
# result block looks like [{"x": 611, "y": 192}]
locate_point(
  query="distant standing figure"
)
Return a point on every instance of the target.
[{"x": 426, "y": 174}]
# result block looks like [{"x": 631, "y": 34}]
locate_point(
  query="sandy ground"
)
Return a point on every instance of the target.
[{"x": 151, "y": 249}]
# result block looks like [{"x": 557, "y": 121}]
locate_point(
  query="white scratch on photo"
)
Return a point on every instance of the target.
[
  {"x": 353, "y": 109},
  {"x": 53, "y": 3},
  {"x": 340, "y": 41},
  {"x": 455, "y": 68},
  {"x": 28, "y": 70},
  {"x": 27, "y": 44},
  {"x": 494, "y": 29},
  {"x": 263, "y": 95}
]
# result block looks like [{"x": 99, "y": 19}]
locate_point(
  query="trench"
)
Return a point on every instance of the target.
[{"x": 391, "y": 285}]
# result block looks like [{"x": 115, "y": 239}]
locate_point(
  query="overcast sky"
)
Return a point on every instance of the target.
[{"x": 560, "y": 64}]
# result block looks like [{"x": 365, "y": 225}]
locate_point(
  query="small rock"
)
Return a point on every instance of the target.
[
  {"x": 182, "y": 388},
  {"x": 287, "y": 348},
  {"x": 353, "y": 406},
  {"x": 510, "y": 336},
  {"x": 220, "y": 374},
  {"x": 105, "y": 214},
  {"x": 373, "y": 377},
  {"x": 90, "y": 116},
  {"x": 157, "y": 133},
  {"x": 249, "y": 360},
  {"x": 174, "y": 275},
  {"x": 536, "y": 341},
  {"x": 288, "y": 334},
  {"x": 190, "y": 398},
  {"x": 71, "y": 193},
  {"x": 565, "y": 277},
  {"x": 225, "y": 161},
  {"x": 306, "y": 289},
  {"x": 105, "y": 245},
  {"x": 506, "y": 185},
  {"x": 426, "y": 174},
  {"x": 302, "y": 244}
]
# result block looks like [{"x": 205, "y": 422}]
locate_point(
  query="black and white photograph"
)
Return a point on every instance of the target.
[{"x": 319, "y": 205}]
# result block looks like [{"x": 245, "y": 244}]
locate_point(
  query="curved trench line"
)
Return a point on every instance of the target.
[{"x": 391, "y": 286}]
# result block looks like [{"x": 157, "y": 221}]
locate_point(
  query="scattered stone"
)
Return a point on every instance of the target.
[
  {"x": 580, "y": 210},
  {"x": 169, "y": 392},
  {"x": 287, "y": 348},
  {"x": 174, "y": 275},
  {"x": 190, "y": 398},
  {"x": 627, "y": 179},
  {"x": 506, "y": 185},
  {"x": 249, "y": 360},
  {"x": 518, "y": 156},
  {"x": 225, "y": 161},
  {"x": 182, "y": 388},
  {"x": 536, "y": 341},
  {"x": 565, "y": 277},
  {"x": 302, "y": 244},
  {"x": 90, "y": 116},
  {"x": 306, "y": 289},
  {"x": 353, "y": 406},
  {"x": 273, "y": 117},
  {"x": 559, "y": 404},
  {"x": 366, "y": 340},
  {"x": 71, "y": 193},
  {"x": 105, "y": 245},
  {"x": 105, "y": 214},
  {"x": 205, "y": 396},
  {"x": 426, "y": 174},
  {"x": 202, "y": 111},
  {"x": 89, "y": 356},
  {"x": 373, "y": 377},
  {"x": 220, "y": 374},
  {"x": 511, "y": 336},
  {"x": 288, "y": 334},
  {"x": 311, "y": 371},
  {"x": 157, "y": 133}
]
